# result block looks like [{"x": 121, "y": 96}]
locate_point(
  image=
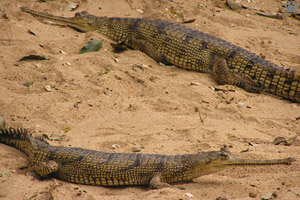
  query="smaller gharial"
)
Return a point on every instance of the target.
[{"x": 83, "y": 166}]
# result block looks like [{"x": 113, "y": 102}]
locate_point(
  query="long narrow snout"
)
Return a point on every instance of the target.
[
  {"x": 240, "y": 162},
  {"x": 76, "y": 22}
]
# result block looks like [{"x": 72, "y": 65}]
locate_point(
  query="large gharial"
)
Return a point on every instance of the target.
[
  {"x": 83, "y": 166},
  {"x": 181, "y": 46}
]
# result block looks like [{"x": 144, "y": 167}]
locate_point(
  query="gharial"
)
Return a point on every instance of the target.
[
  {"x": 83, "y": 166},
  {"x": 184, "y": 47}
]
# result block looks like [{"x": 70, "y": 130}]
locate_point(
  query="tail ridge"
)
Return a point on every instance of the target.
[{"x": 18, "y": 138}]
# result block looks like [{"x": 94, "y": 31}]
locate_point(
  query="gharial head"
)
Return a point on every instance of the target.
[
  {"x": 86, "y": 22},
  {"x": 82, "y": 21},
  {"x": 214, "y": 161}
]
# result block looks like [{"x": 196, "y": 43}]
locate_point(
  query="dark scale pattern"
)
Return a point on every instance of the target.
[
  {"x": 190, "y": 49},
  {"x": 83, "y": 166},
  {"x": 193, "y": 50},
  {"x": 112, "y": 169}
]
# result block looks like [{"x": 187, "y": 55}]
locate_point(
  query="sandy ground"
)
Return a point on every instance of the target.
[{"x": 96, "y": 102}]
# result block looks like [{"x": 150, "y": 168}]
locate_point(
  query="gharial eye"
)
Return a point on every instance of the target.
[
  {"x": 77, "y": 14},
  {"x": 224, "y": 156}
]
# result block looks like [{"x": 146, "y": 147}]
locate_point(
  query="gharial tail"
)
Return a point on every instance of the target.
[{"x": 18, "y": 138}]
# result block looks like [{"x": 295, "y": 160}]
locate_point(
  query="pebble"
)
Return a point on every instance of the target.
[
  {"x": 252, "y": 195},
  {"x": 135, "y": 149},
  {"x": 140, "y": 11},
  {"x": 114, "y": 146},
  {"x": 195, "y": 83},
  {"x": 240, "y": 104},
  {"x": 48, "y": 88},
  {"x": 62, "y": 52},
  {"x": 189, "y": 195}
]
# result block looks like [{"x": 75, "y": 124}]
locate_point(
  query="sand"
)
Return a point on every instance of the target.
[{"x": 97, "y": 103}]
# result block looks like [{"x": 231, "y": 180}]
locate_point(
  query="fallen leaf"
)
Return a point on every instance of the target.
[
  {"x": 2, "y": 123},
  {"x": 279, "y": 140},
  {"x": 5, "y": 174},
  {"x": 245, "y": 150},
  {"x": 296, "y": 15},
  {"x": 189, "y": 21},
  {"x": 30, "y": 32},
  {"x": 67, "y": 129},
  {"x": 54, "y": 137},
  {"x": 267, "y": 196},
  {"x": 33, "y": 57},
  {"x": 71, "y": 6},
  {"x": 178, "y": 14},
  {"x": 105, "y": 71},
  {"x": 275, "y": 16},
  {"x": 233, "y": 5},
  {"x": 91, "y": 46},
  {"x": 31, "y": 196},
  {"x": 28, "y": 84}
]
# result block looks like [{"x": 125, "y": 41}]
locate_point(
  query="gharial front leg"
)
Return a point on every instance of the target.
[
  {"x": 148, "y": 48},
  {"x": 223, "y": 76},
  {"x": 156, "y": 183},
  {"x": 43, "y": 167}
]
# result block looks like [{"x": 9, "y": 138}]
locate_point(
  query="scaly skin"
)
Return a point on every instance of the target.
[
  {"x": 83, "y": 166},
  {"x": 190, "y": 49}
]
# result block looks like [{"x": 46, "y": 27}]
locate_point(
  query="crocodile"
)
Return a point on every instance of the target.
[
  {"x": 171, "y": 43},
  {"x": 90, "y": 167}
]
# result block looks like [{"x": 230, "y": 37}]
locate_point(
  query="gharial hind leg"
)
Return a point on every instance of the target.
[
  {"x": 156, "y": 183},
  {"x": 44, "y": 168},
  {"x": 223, "y": 76}
]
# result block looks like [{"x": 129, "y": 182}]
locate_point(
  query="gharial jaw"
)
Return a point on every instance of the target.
[
  {"x": 219, "y": 160},
  {"x": 82, "y": 21}
]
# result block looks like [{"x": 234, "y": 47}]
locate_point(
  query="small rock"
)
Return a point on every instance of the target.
[
  {"x": 135, "y": 149},
  {"x": 116, "y": 60},
  {"x": 195, "y": 83},
  {"x": 67, "y": 63},
  {"x": 140, "y": 11},
  {"x": 48, "y": 88},
  {"x": 115, "y": 146},
  {"x": 252, "y": 195},
  {"x": 189, "y": 195},
  {"x": 240, "y": 104},
  {"x": 61, "y": 51}
]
